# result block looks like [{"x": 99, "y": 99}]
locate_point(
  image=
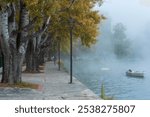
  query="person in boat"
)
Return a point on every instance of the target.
[{"x": 130, "y": 70}]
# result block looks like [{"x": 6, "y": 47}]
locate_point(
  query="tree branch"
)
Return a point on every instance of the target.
[
  {"x": 36, "y": 34},
  {"x": 25, "y": 28},
  {"x": 44, "y": 40},
  {"x": 30, "y": 25}
]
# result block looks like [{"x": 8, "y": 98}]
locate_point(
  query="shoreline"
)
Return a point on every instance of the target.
[{"x": 54, "y": 85}]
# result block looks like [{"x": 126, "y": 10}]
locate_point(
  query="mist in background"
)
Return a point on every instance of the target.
[{"x": 108, "y": 60}]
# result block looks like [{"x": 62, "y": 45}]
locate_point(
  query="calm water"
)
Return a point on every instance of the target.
[{"x": 112, "y": 73}]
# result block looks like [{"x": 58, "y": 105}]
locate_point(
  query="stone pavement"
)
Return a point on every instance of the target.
[{"x": 54, "y": 85}]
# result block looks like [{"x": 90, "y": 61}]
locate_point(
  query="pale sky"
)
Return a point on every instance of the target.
[
  {"x": 134, "y": 14},
  {"x": 145, "y": 2}
]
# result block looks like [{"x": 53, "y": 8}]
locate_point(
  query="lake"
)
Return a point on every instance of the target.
[{"x": 92, "y": 72}]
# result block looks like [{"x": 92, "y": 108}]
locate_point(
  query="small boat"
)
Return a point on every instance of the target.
[{"x": 135, "y": 73}]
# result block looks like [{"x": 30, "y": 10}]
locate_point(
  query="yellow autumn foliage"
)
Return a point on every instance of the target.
[{"x": 85, "y": 19}]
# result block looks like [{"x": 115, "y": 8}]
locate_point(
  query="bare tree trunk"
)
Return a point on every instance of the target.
[
  {"x": 13, "y": 50},
  {"x": 41, "y": 60},
  {"x": 21, "y": 46},
  {"x": 5, "y": 44},
  {"x": 35, "y": 63},
  {"x": 33, "y": 55},
  {"x": 28, "y": 56}
]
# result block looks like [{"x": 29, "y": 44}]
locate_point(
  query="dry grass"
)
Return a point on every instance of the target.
[
  {"x": 33, "y": 72},
  {"x": 21, "y": 85}
]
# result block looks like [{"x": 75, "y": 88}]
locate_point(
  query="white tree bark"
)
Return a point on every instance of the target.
[
  {"x": 5, "y": 44},
  {"x": 13, "y": 56},
  {"x": 24, "y": 17}
]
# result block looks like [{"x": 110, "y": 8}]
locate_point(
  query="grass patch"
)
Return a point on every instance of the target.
[
  {"x": 103, "y": 95},
  {"x": 33, "y": 72},
  {"x": 21, "y": 85}
]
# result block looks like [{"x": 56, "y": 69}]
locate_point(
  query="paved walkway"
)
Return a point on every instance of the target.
[{"x": 54, "y": 85}]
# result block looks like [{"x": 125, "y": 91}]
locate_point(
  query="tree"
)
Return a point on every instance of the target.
[
  {"x": 34, "y": 25},
  {"x": 120, "y": 41},
  {"x": 12, "y": 44},
  {"x": 16, "y": 30},
  {"x": 85, "y": 27},
  {"x": 85, "y": 23}
]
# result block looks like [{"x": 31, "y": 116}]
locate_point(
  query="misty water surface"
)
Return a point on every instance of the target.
[
  {"x": 94, "y": 72},
  {"x": 99, "y": 64}
]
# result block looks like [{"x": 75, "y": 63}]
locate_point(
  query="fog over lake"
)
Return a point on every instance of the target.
[{"x": 100, "y": 64}]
